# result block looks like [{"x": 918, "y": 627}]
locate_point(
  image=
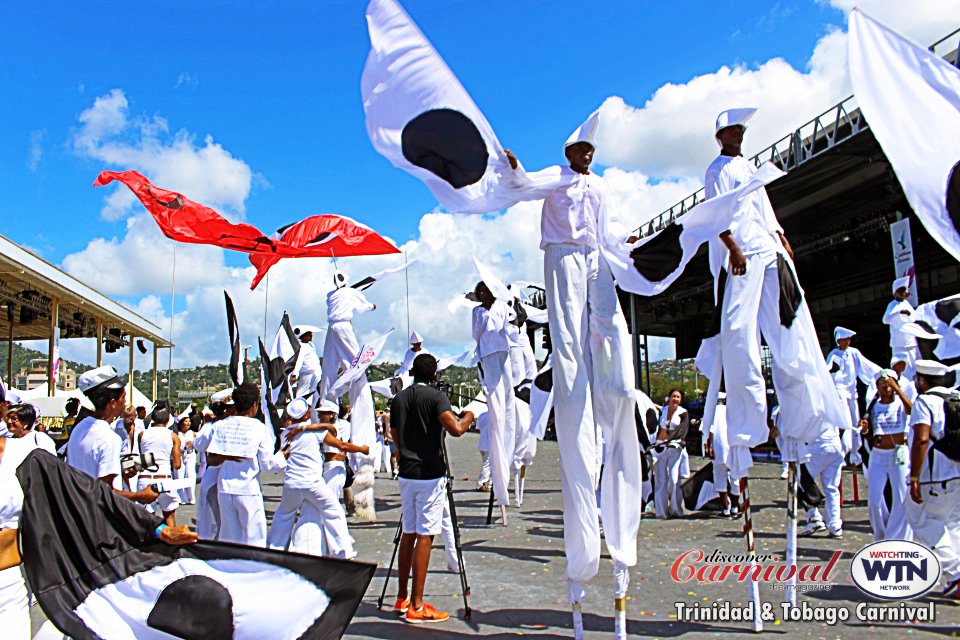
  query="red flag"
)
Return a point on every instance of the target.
[
  {"x": 186, "y": 221},
  {"x": 326, "y": 236}
]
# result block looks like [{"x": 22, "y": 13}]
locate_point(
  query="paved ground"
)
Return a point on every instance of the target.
[{"x": 516, "y": 572}]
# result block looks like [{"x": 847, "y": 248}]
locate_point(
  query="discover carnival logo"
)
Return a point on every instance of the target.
[
  {"x": 895, "y": 570},
  {"x": 720, "y": 567}
]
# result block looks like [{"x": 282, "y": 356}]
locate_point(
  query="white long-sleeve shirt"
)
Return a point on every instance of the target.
[
  {"x": 489, "y": 328},
  {"x": 408, "y": 359},
  {"x": 344, "y": 302},
  {"x": 307, "y": 360},
  {"x": 898, "y": 314},
  {"x": 851, "y": 365},
  {"x": 755, "y": 226}
]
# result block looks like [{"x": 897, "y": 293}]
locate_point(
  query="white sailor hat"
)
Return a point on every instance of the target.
[
  {"x": 224, "y": 396},
  {"x": 899, "y": 357},
  {"x": 415, "y": 338},
  {"x": 930, "y": 368},
  {"x": 301, "y": 329},
  {"x": 328, "y": 406},
  {"x": 297, "y": 408},
  {"x": 842, "y": 333},
  {"x": 901, "y": 283},
  {"x": 586, "y": 132},
  {"x": 733, "y": 117},
  {"x": 99, "y": 379},
  {"x": 12, "y": 396}
]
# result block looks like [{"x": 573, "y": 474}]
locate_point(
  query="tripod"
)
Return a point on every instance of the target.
[{"x": 451, "y": 503}]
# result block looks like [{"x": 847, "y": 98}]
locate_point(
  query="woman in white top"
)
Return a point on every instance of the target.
[
  {"x": 188, "y": 468},
  {"x": 14, "y": 602},
  {"x": 885, "y": 428},
  {"x": 21, "y": 420},
  {"x": 165, "y": 447},
  {"x": 671, "y": 440}
]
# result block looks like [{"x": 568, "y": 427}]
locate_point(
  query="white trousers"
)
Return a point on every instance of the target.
[
  {"x": 242, "y": 519},
  {"x": 317, "y": 505},
  {"x": 501, "y": 421},
  {"x": 826, "y": 464},
  {"x": 593, "y": 382},
  {"x": 208, "y": 506},
  {"x": 335, "y": 475},
  {"x": 892, "y": 524},
  {"x": 722, "y": 480},
  {"x": 449, "y": 539},
  {"x": 851, "y": 438},
  {"x": 751, "y": 308},
  {"x": 936, "y": 524},
  {"x": 14, "y": 605},
  {"x": 188, "y": 469},
  {"x": 484, "y": 469},
  {"x": 667, "y": 498},
  {"x": 339, "y": 348}
]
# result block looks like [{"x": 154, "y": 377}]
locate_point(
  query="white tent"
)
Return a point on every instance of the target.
[{"x": 55, "y": 406}]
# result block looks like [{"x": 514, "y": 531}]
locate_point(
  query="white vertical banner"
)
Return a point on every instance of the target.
[
  {"x": 903, "y": 255},
  {"x": 55, "y": 374}
]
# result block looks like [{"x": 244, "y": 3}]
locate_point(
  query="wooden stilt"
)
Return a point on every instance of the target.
[
  {"x": 791, "y": 554},
  {"x": 751, "y": 551}
]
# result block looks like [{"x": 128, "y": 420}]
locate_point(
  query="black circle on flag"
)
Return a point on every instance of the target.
[
  {"x": 659, "y": 257},
  {"x": 446, "y": 143},
  {"x": 953, "y": 196},
  {"x": 194, "y": 608}
]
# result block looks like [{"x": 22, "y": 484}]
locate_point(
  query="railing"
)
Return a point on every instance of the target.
[{"x": 835, "y": 125}]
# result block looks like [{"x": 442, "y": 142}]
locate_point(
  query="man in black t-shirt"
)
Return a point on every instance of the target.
[{"x": 419, "y": 415}]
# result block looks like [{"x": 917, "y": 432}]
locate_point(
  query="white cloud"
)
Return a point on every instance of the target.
[
  {"x": 671, "y": 135},
  {"x": 207, "y": 171},
  {"x": 187, "y": 80},
  {"x": 35, "y": 154}
]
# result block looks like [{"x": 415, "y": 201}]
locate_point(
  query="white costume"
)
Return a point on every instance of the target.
[
  {"x": 408, "y": 358},
  {"x": 490, "y": 332},
  {"x": 307, "y": 369},
  {"x": 846, "y": 366},
  {"x": 721, "y": 452},
  {"x": 483, "y": 446},
  {"x": 826, "y": 464},
  {"x": 898, "y": 314},
  {"x": 766, "y": 301},
  {"x": 335, "y": 471},
  {"x": 304, "y": 490},
  {"x": 240, "y": 498},
  {"x": 593, "y": 376},
  {"x": 14, "y": 601},
  {"x": 158, "y": 440},
  {"x": 208, "y": 506},
  {"x": 936, "y": 522},
  {"x": 888, "y": 465},
  {"x": 188, "y": 466},
  {"x": 668, "y": 499},
  {"x": 94, "y": 448}
]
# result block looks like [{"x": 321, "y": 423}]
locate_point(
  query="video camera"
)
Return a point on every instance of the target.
[{"x": 134, "y": 463}]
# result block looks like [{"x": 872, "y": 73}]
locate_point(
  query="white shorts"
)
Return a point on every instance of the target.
[
  {"x": 422, "y": 504},
  {"x": 167, "y": 501}
]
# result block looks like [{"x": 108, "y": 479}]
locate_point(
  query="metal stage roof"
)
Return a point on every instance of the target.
[{"x": 835, "y": 204}]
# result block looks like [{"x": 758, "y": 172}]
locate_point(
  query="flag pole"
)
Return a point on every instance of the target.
[
  {"x": 173, "y": 292},
  {"x": 406, "y": 280},
  {"x": 266, "y": 298}
]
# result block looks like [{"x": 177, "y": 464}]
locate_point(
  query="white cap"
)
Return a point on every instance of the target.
[
  {"x": 225, "y": 396},
  {"x": 899, "y": 357},
  {"x": 930, "y": 368},
  {"x": 842, "y": 333},
  {"x": 888, "y": 373},
  {"x": 586, "y": 132},
  {"x": 901, "y": 283},
  {"x": 36, "y": 411},
  {"x": 415, "y": 338},
  {"x": 733, "y": 117},
  {"x": 297, "y": 408},
  {"x": 301, "y": 329},
  {"x": 328, "y": 406},
  {"x": 99, "y": 379}
]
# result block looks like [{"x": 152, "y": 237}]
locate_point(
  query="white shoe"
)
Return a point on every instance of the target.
[
  {"x": 835, "y": 534},
  {"x": 811, "y": 528}
]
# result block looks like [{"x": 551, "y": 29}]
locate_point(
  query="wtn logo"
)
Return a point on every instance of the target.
[
  {"x": 895, "y": 570},
  {"x": 903, "y": 570}
]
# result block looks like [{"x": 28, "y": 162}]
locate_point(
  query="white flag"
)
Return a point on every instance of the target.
[
  {"x": 911, "y": 98},
  {"x": 369, "y": 352},
  {"x": 421, "y": 118}
]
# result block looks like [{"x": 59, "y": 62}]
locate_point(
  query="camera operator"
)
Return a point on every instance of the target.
[
  {"x": 420, "y": 415},
  {"x": 94, "y": 448}
]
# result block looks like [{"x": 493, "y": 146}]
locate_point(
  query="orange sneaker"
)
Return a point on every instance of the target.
[
  {"x": 426, "y": 614},
  {"x": 401, "y": 605}
]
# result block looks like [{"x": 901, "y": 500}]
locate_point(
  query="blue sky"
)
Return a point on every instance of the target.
[{"x": 270, "y": 90}]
